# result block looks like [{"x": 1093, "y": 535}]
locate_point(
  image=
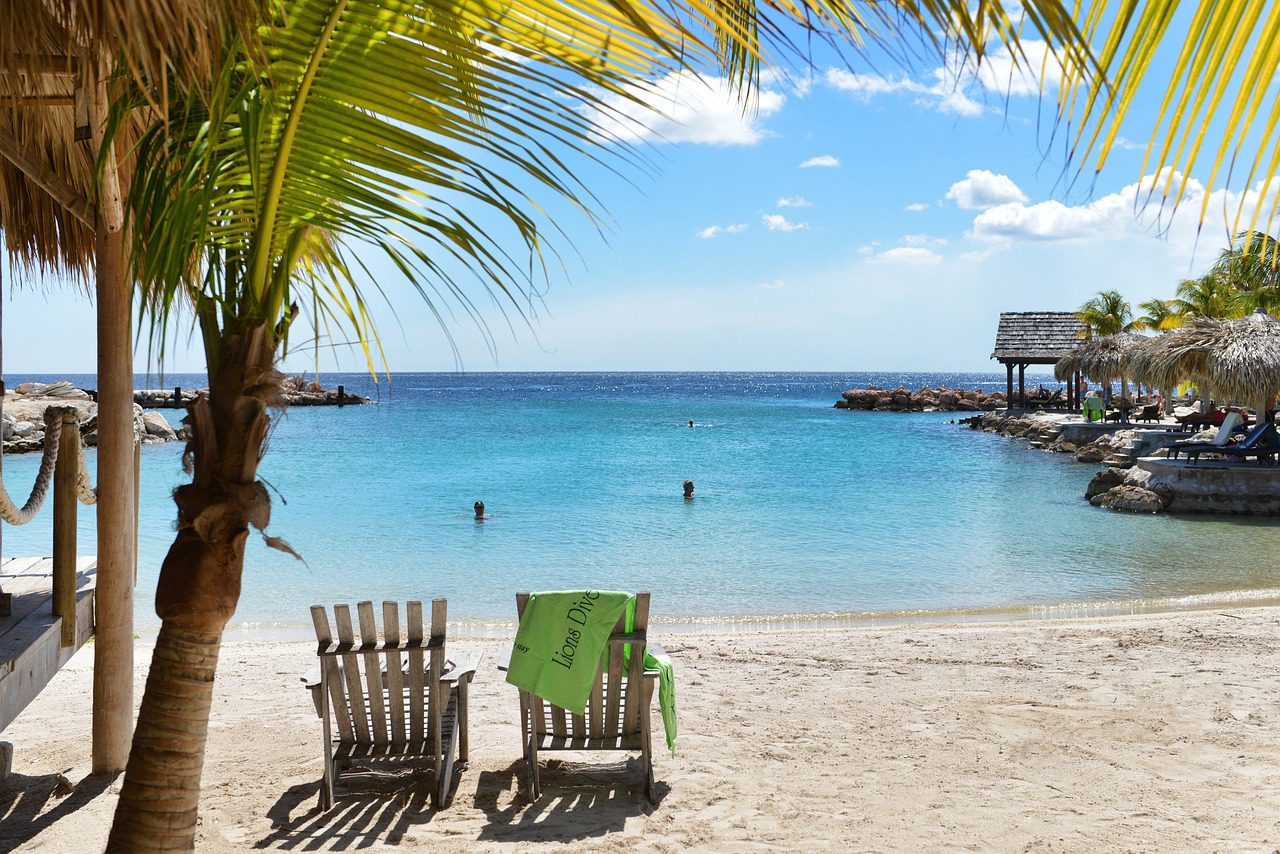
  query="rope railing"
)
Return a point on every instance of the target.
[{"x": 54, "y": 417}]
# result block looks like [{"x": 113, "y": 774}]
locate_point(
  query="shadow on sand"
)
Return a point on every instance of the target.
[
  {"x": 578, "y": 802},
  {"x": 24, "y": 799}
]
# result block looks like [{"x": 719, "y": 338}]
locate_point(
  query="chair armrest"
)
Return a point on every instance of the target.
[
  {"x": 504, "y": 660},
  {"x": 464, "y": 666}
]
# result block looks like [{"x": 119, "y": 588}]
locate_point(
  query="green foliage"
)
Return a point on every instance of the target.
[
  {"x": 1108, "y": 313},
  {"x": 1158, "y": 315}
]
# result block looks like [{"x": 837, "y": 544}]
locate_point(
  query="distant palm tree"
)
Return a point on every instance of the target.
[
  {"x": 1251, "y": 267},
  {"x": 1107, "y": 314},
  {"x": 1159, "y": 315},
  {"x": 1211, "y": 296}
]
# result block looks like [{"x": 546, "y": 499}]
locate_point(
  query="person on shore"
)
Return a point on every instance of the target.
[
  {"x": 479, "y": 508},
  {"x": 688, "y": 490}
]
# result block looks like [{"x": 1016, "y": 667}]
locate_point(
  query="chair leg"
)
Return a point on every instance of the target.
[
  {"x": 464, "y": 745},
  {"x": 326, "y": 785},
  {"x": 646, "y": 742}
]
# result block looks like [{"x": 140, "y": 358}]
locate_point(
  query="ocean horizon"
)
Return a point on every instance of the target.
[{"x": 801, "y": 512}]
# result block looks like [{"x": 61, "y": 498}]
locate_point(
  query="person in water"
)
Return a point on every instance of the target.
[
  {"x": 690, "y": 422},
  {"x": 479, "y": 508},
  {"x": 688, "y": 490}
]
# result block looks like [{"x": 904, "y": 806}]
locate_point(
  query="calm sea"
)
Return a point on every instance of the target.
[{"x": 800, "y": 509}]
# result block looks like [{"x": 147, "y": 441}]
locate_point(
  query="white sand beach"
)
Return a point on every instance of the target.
[{"x": 1143, "y": 733}]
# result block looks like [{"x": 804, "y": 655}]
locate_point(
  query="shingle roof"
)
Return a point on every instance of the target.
[{"x": 1037, "y": 336}]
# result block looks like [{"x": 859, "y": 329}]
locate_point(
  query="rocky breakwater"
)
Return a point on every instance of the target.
[
  {"x": 23, "y": 418},
  {"x": 1043, "y": 430},
  {"x": 296, "y": 391},
  {"x": 873, "y": 398}
]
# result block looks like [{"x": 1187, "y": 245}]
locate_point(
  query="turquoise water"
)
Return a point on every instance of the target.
[{"x": 800, "y": 509}]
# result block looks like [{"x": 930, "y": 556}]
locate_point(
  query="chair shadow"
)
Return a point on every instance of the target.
[
  {"x": 24, "y": 797},
  {"x": 577, "y": 802},
  {"x": 369, "y": 809}
]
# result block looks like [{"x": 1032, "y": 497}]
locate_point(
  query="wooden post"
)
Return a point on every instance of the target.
[
  {"x": 342, "y": 395},
  {"x": 177, "y": 397},
  {"x": 113, "y": 646},
  {"x": 65, "y": 476},
  {"x": 1008, "y": 397},
  {"x": 1022, "y": 385}
]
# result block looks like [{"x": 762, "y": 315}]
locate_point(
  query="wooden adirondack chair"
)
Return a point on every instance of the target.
[
  {"x": 394, "y": 700},
  {"x": 617, "y": 714}
]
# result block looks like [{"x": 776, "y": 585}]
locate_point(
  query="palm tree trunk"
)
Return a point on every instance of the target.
[{"x": 197, "y": 593}]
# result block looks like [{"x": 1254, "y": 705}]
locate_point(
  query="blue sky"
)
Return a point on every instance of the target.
[{"x": 855, "y": 220}]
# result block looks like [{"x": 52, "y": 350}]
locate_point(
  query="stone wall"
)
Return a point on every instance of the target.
[
  {"x": 22, "y": 423},
  {"x": 874, "y": 398}
]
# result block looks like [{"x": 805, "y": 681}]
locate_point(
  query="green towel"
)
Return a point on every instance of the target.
[
  {"x": 561, "y": 638},
  {"x": 558, "y": 646},
  {"x": 660, "y": 662}
]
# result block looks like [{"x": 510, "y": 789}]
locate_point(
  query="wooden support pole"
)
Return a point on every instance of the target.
[
  {"x": 45, "y": 178},
  {"x": 65, "y": 476},
  {"x": 1008, "y": 398},
  {"x": 113, "y": 647},
  {"x": 1022, "y": 385}
]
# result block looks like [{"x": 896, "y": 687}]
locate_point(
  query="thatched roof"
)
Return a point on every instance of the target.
[
  {"x": 1237, "y": 360},
  {"x": 46, "y": 47},
  {"x": 1037, "y": 337},
  {"x": 1100, "y": 359}
]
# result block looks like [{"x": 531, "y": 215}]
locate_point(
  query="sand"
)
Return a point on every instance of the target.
[{"x": 1121, "y": 734}]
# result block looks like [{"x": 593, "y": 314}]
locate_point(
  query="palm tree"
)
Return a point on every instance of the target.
[
  {"x": 387, "y": 126},
  {"x": 1211, "y": 296},
  {"x": 1159, "y": 315},
  {"x": 1251, "y": 267},
  {"x": 1107, "y": 314}
]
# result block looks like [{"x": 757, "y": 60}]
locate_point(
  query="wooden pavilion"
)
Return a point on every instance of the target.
[
  {"x": 61, "y": 214},
  {"x": 1037, "y": 338}
]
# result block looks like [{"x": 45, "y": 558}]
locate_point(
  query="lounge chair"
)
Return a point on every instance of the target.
[
  {"x": 616, "y": 717},
  {"x": 1150, "y": 412},
  {"x": 1262, "y": 443},
  {"x": 395, "y": 700},
  {"x": 1220, "y": 440}
]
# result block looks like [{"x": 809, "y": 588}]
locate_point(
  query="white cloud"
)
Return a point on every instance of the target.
[
  {"x": 923, "y": 240},
  {"x": 981, "y": 189},
  {"x": 794, "y": 202},
  {"x": 944, "y": 94},
  {"x": 822, "y": 160},
  {"x": 717, "y": 230},
  {"x": 909, "y": 255},
  {"x": 775, "y": 285},
  {"x": 1136, "y": 210},
  {"x": 779, "y": 78},
  {"x": 685, "y": 106},
  {"x": 916, "y": 207},
  {"x": 947, "y": 89},
  {"x": 778, "y": 222}
]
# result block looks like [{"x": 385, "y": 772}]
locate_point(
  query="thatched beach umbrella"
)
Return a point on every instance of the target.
[
  {"x": 1235, "y": 359},
  {"x": 1101, "y": 359}
]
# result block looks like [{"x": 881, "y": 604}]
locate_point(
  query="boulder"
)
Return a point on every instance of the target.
[
  {"x": 1103, "y": 481},
  {"x": 24, "y": 429},
  {"x": 155, "y": 424},
  {"x": 1129, "y": 499}
]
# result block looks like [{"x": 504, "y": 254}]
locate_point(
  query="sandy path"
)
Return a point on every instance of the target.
[{"x": 1122, "y": 734}]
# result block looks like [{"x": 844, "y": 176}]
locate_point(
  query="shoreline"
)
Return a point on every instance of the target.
[
  {"x": 1148, "y": 732},
  {"x": 250, "y": 631}
]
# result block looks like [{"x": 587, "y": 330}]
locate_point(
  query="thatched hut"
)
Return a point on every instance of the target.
[
  {"x": 1025, "y": 338},
  {"x": 1101, "y": 360},
  {"x": 61, "y": 214},
  {"x": 1237, "y": 360}
]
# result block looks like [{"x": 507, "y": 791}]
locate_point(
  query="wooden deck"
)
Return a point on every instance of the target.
[{"x": 30, "y": 637}]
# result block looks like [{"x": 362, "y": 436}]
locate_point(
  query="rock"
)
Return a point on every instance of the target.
[
  {"x": 24, "y": 429},
  {"x": 967, "y": 405},
  {"x": 155, "y": 424},
  {"x": 947, "y": 400},
  {"x": 842, "y": 404},
  {"x": 1104, "y": 481},
  {"x": 1129, "y": 499}
]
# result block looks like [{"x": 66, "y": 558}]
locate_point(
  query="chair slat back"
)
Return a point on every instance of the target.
[
  {"x": 607, "y": 714},
  {"x": 373, "y": 700}
]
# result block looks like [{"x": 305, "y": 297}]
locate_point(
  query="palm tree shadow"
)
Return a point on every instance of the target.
[
  {"x": 577, "y": 802},
  {"x": 23, "y": 799},
  {"x": 370, "y": 809}
]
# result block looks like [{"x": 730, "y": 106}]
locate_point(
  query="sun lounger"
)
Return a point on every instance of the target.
[
  {"x": 1263, "y": 444},
  {"x": 394, "y": 700},
  {"x": 616, "y": 715},
  {"x": 1194, "y": 448},
  {"x": 1150, "y": 412}
]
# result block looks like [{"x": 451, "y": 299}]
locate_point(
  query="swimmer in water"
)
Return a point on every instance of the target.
[
  {"x": 690, "y": 422},
  {"x": 479, "y": 508},
  {"x": 688, "y": 490}
]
